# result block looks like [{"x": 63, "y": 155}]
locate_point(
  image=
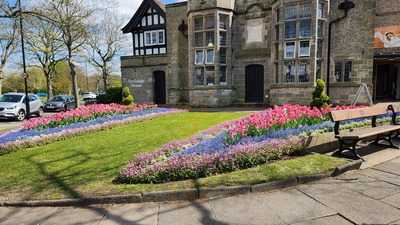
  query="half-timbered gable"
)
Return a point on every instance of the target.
[{"x": 148, "y": 28}]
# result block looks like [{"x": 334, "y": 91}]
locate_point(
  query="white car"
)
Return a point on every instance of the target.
[
  {"x": 88, "y": 96},
  {"x": 12, "y": 106}
]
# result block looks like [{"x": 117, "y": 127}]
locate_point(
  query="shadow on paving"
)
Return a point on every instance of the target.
[{"x": 57, "y": 180}]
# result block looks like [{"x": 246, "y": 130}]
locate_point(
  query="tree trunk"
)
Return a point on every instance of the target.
[
  {"x": 1, "y": 80},
  {"x": 105, "y": 82},
  {"x": 49, "y": 84},
  {"x": 74, "y": 82}
]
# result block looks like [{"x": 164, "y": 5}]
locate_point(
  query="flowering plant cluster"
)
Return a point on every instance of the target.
[
  {"x": 82, "y": 114},
  {"x": 158, "y": 168},
  {"x": 253, "y": 140},
  {"x": 24, "y": 138}
]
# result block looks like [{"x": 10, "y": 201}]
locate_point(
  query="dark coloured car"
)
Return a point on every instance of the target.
[{"x": 60, "y": 103}]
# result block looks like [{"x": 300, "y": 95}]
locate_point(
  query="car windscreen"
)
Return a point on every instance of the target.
[
  {"x": 10, "y": 98},
  {"x": 57, "y": 99}
]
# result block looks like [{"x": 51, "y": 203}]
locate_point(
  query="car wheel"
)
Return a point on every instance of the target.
[
  {"x": 40, "y": 112},
  {"x": 21, "y": 115}
]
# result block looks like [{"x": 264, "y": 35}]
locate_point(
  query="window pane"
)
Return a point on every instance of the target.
[
  {"x": 304, "y": 48},
  {"x": 210, "y": 21},
  {"x": 290, "y": 12},
  {"x": 154, "y": 38},
  {"x": 348, "y": 71},
  {"x": 222, "y": 75},
  {"x": 198, "y": 23},
  {"x": 199, "y": 57},
  {"x": 305, "y": 28},
  {"x": 290, "y": 72},
  {"x": 143, "y": 21},
  {"x": 148, "y": 38},
  {"x": 320, "y": 48},
  {"x": 210, "y": 56},
  {"x": 150, "y": 20},
  {"x": 222, "y": 38},
  {"x": 290, "y": 48},
  {"x": 321, "y": 10},
  {"x": 210, "y": 72},
  {"x": 223, "y": 21},
  {"x": 338, "y": 71},
  {"x": 141, "y": 39},
  {"x": 198, "y": 78},
  {"x": 161, "y": 37},
  {"x": 305, "y": 11},
  {"x": 222, "y": 56},
  {"x": 162, "y": 21},
  {"x": 198, "y": 39},
  {"x": 155, "y": 19},
  {"x": 210, "y": 38},
  {"x": 290, "y": 29},
  {"x": 136, "y": 40},
  {"x": 320, "y": 28},
  {"x": 319, "y": 66},
  {"x": 303, "y": 72}
]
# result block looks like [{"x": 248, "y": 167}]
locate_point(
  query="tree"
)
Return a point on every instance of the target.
[
  {"x": 43, "y": 42},
  {"x": 104, "y": 43},
  {"x": 8, "y": 36},
  {"x": 70, "y": 17}
]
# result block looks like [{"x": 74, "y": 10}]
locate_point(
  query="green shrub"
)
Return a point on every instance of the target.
[
  {"x": 127, "y": 98},
  {"x": 112, "y": 95},
  {"x": 320, "y": 98}
]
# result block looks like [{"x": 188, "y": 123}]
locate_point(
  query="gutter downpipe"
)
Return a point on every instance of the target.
[{"x": 345, "y": 6}]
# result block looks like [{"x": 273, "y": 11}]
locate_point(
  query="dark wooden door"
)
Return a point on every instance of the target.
[
  {"x": 160, "y": 93},
  {"x": 255, "y": 84}
]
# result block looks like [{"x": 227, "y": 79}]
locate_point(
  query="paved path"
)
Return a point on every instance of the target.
[{"x": 368, "y": 197}]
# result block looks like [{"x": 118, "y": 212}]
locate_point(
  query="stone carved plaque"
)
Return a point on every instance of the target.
[{"x": 254, "y": 31}]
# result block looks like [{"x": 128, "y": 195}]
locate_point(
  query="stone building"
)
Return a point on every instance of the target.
[{"x": 236, "y": 52}]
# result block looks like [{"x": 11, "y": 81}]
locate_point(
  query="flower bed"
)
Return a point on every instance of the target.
[
  {"x": 82, "y": 114},
  {"x": 86, "y": 119},
  {"x": 269, "y": 135}
]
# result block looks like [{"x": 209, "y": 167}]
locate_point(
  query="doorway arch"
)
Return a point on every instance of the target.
[
  {"x": 254, "y": 83},
  {"x": 160, "y": 91}
]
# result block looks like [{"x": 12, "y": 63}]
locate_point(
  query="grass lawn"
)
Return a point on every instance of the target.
[{"x": 86, "y": 165}]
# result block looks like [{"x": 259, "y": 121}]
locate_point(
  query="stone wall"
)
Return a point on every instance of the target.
[
  {"x": 215, "y": 97},
  {"x": 352, "y": 39},
  {"x": 177, "y": 82},
  {"x": 137, "y": 74}
]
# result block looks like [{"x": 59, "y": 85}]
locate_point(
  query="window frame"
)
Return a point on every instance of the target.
[
  {"x": 156, "y": 33},
  {"x": 294, "y": 50},
  {"x": 343, "y": 67},
  {"x": 309, "y": 49}
]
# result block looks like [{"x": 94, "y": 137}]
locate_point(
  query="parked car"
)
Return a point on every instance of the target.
[
  {"x": 88, "y": 95},
  {"x": 60, "y": 103},
  {"x": 12, "y": 106}
]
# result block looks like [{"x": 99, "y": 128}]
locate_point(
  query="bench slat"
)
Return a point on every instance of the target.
[
  {"x": 342, "y": 115},
  {"x": 367, "y": 132}
]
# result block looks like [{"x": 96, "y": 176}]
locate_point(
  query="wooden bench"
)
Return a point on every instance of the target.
[{"x": 349, "y": 139}]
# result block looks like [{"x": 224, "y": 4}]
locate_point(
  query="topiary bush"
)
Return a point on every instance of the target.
[
  {"x": 320, "y": 98},
  {"x": 127, "y": 98}
]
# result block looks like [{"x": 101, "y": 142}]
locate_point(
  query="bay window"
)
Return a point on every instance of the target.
[{"x": 210, "y": 44}]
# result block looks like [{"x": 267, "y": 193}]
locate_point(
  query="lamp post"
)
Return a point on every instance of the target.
[
  {"x": 27, "y": 106},
  {"x": 25, "y": 74}
]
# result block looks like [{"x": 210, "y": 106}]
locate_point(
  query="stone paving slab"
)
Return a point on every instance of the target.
[
  {"x": 74, "y": 216},
  {"x": 382, "y": 176},
  {"x": 131, "y": 214},
  {"x": 245, "y": 209},
  {"x": 187, "y": 213},
  {"x": 376, "y": 190},
  {"x": 393, "y": 200},
  {"x": 330, "y": 220},
  {"x": 391, "y": 166},
  {"x": 26, "y": 216},
  {"x": 353, "y": 205}
]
